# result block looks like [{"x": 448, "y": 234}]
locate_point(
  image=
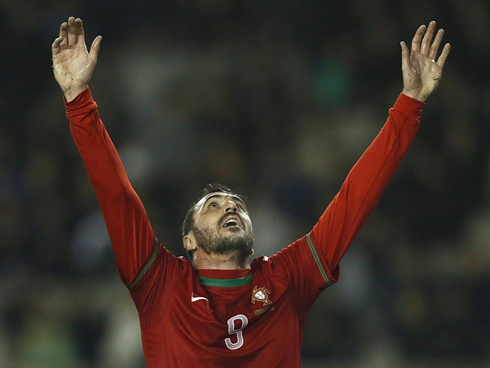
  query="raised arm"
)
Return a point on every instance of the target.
[
  {"x": 129, "y": 229},
  {"x": 369, "y": 177}
]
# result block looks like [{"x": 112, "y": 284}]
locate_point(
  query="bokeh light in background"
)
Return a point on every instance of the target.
[{"x": 276, "y": 99}]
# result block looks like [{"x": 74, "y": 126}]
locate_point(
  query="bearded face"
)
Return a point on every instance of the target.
[{"x": 222, "y": 226}]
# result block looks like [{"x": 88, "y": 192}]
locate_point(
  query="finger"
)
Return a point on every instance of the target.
[
  {"x": 56, "y": 46},
  {"x": 416, "y": 39},
  {"x": 94, "y": 49},
  {"x": 405, "y": 56},
  {"x": 445, "y": 52},
  {"x": 428, "y": 38},
  {"x": 72, "y": 35},
  {"x": 435, "y": 45},
  {"x": 79, "y": 31},
  {"x": 64, "y": 33}
]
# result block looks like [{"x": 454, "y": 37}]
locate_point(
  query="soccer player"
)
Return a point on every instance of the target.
[{"x": 217, "y": 309}]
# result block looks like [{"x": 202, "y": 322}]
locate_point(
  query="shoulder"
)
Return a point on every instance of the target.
[
  {"x": 259, "y": 262},
  {"x": 291, "y": 250}
]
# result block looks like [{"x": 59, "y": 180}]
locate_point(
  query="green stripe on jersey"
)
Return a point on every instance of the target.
[
  {"x": 147, "y": 267},
  {"x": 206, "y": 281},
  {"x": 317, "y": 260}
]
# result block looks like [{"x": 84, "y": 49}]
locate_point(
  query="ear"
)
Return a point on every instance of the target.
[{"x": 189, "y": 241}]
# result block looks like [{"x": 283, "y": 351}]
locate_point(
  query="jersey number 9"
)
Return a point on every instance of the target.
[{"x": 236, "y": 330}]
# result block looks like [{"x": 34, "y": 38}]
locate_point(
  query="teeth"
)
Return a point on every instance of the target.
[{"x": 231, "y": 222}]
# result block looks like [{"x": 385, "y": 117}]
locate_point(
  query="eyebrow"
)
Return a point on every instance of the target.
[{"x": 228, "y": 195}]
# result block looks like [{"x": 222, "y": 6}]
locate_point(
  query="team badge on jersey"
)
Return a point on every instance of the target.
[{"x": 261, "y": 295}]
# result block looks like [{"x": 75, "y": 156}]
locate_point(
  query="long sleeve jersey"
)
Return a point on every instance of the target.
[{"x": 251, "y": 317}]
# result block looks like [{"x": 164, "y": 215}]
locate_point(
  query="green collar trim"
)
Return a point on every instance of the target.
[{"x": 241, "y": 281}]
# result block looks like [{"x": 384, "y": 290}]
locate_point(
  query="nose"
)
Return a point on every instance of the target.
[{"x": 231, "y": 207}]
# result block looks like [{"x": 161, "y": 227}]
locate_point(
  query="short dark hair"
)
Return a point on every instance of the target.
[{"x": 189, "y": 217}]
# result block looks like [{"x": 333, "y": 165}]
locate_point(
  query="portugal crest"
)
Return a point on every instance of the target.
[{"x": 261, "y": 294}]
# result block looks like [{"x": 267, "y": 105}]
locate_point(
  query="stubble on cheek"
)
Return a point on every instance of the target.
[{"x": 206, "y": 239}]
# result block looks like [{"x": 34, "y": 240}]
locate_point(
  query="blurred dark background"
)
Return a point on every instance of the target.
[{"x": 276, "y": 99}]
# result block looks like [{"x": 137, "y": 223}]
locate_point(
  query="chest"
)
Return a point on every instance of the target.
[{"x": 224, "y": 315}]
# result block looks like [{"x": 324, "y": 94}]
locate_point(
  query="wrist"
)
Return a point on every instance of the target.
[
  {"x": 71, "y": 93},
  {"x": 418, "y": 95}
]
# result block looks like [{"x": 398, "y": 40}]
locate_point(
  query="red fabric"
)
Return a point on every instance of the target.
[
  {"x": 366, "y": 182},
  {"x": 179, "y": 331},
  {"x": 129, "y": 229}
]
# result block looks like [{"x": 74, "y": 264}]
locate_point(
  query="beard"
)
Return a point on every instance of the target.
[{"x": 238, "y": 246}]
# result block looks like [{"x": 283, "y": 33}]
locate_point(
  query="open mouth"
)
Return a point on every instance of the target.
[{"x": 231, "y": 222}]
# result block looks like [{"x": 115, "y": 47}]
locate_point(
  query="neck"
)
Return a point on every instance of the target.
[{"x": 232, "y": 261}]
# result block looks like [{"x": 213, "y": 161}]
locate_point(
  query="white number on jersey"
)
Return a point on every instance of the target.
[{"x": 238, "y": 331}]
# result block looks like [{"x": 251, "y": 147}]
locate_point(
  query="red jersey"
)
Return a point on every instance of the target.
[{"x": 241, "y": 318}]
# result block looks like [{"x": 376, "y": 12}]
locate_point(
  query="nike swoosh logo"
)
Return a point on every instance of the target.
[{"x": 196, "y": 298}]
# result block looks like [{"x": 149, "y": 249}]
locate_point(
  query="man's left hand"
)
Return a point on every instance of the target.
[{"x": 421, "y": 72}]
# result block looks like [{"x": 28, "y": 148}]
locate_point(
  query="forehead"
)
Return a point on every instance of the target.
[{"x": 216, "y": 195}]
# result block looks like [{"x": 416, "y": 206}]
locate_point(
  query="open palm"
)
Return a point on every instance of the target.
[
  {"x": 421, "y": 72},
  {"x": 73, "y": 65}
]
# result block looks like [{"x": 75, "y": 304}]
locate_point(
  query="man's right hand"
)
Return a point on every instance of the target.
[{"x": 73, "y": 65}]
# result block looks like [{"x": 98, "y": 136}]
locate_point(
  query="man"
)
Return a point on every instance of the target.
[{"x": 218, "y": 309}]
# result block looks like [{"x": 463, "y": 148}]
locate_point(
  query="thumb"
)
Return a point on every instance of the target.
[
  {"x": 405, "y": 56},
  {"x": 94, "y": 49}
]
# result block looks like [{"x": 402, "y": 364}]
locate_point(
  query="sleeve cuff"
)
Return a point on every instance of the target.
[
  {"x": 81, "y": 104},
  {"x": 408, "y": 106}
]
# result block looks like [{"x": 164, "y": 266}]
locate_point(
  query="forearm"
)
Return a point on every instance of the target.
[
  {"x": 367, "y": 181},
  {"x": 372, "y": 173},
  {"x": 126, "y": 219},
  {"x": 97, "y": 151}
]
